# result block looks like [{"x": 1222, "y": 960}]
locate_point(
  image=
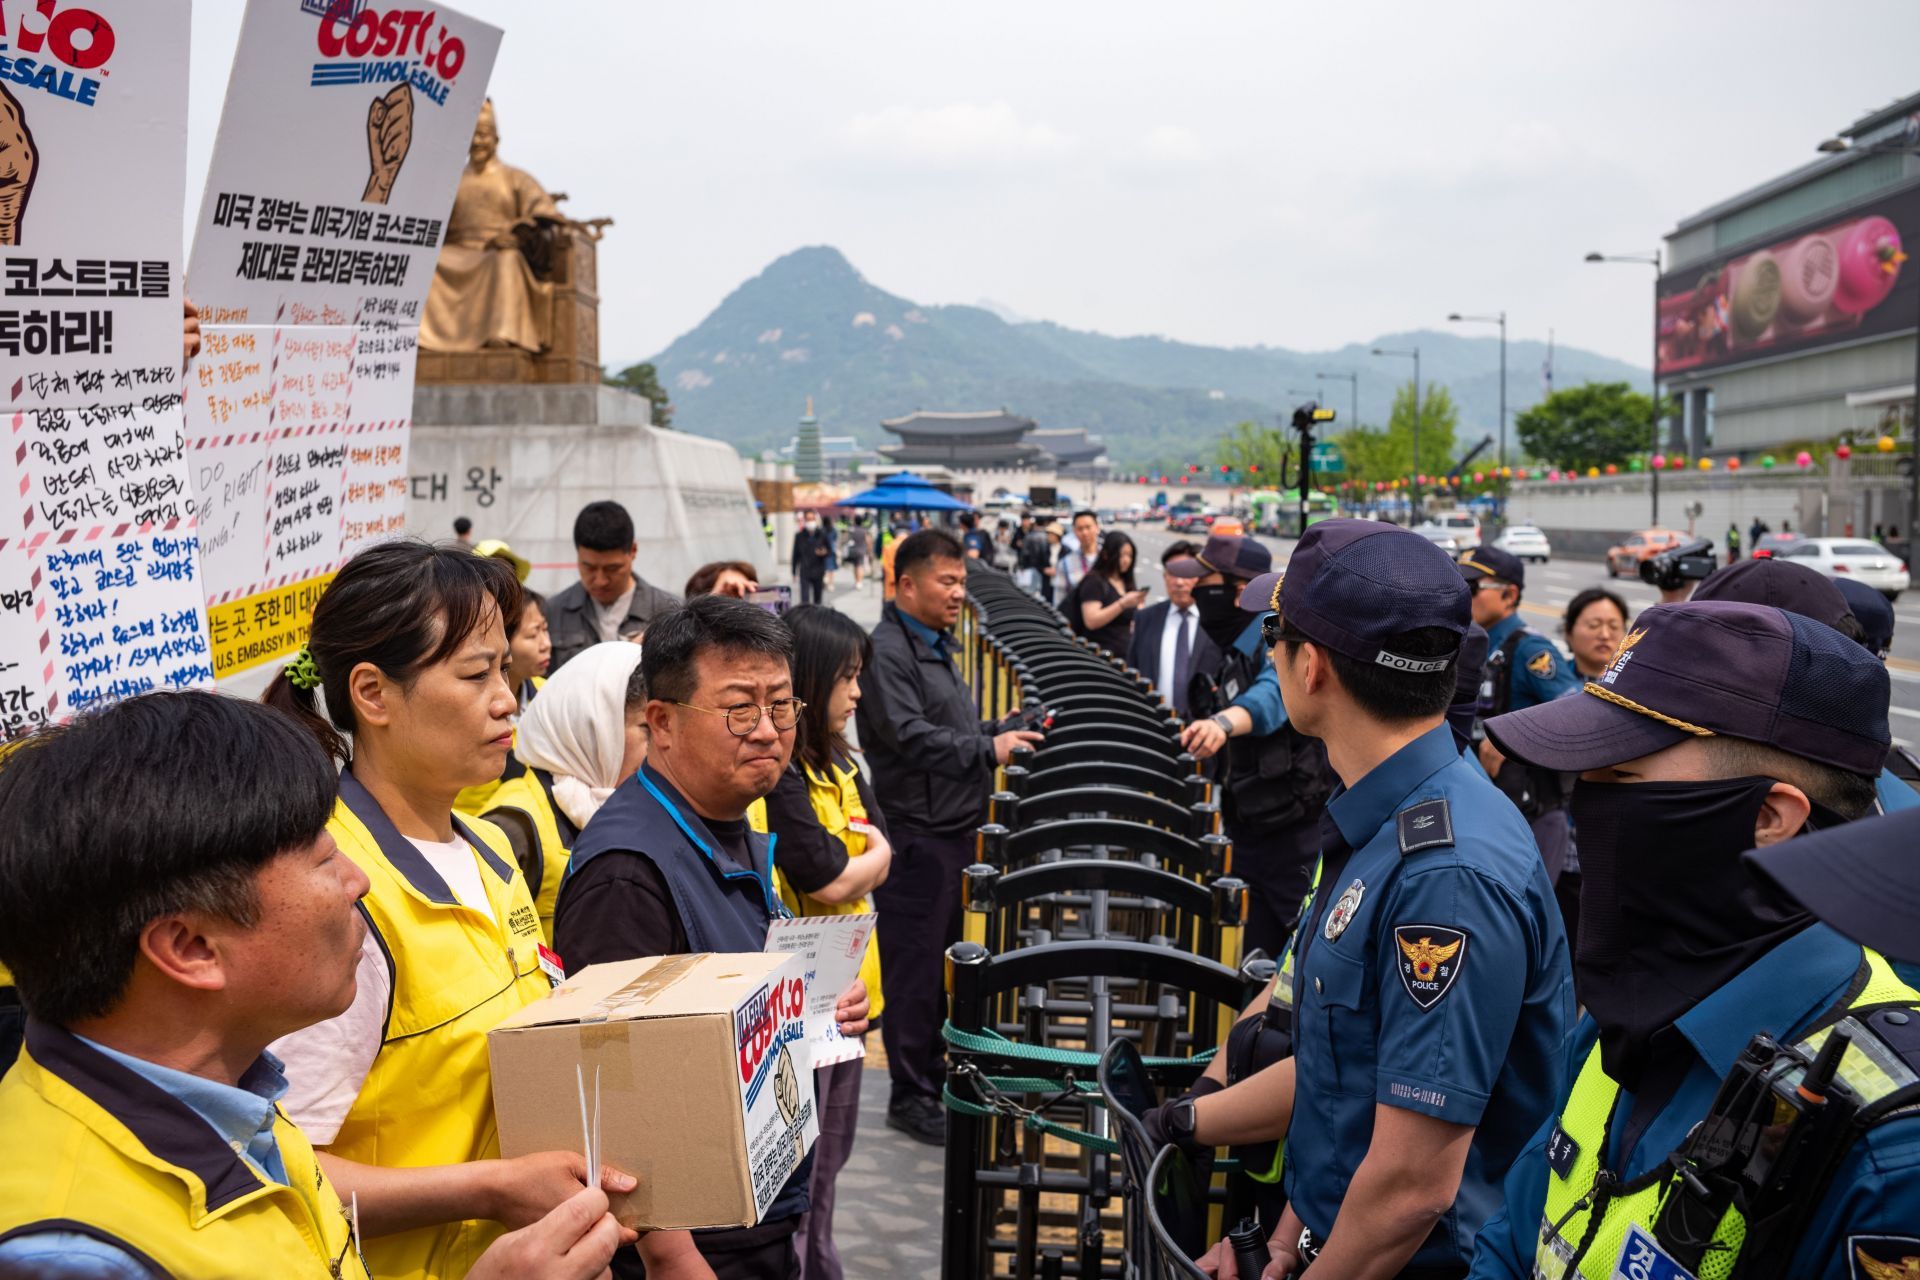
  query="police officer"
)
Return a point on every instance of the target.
[
  {"x": 1275, "y": 779},
  {"x": 1523, "y": 669},
  {"x": 1899, "y": 782},
  {"x": 1718, "y": 728},
  {"x": 1430, "y": 973}
]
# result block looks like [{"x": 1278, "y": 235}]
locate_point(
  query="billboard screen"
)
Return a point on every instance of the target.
[{"x": 1833, "y": 280}]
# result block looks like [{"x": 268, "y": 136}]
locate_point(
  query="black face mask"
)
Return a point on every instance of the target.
[
  {"x": 1667, "y": 912},
  {"x": 1219, "y": 610}
]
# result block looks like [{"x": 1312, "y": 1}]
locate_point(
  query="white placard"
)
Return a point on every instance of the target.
[{"x": 832, "y": 948}]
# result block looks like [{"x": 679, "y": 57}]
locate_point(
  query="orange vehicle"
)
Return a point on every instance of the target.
[
  {"x": 1228, "y": 525},
  {"x": 1644, "y": 545}
]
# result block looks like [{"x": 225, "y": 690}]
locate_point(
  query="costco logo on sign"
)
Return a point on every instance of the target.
[
  {"x": 365, "y": 44},
  {"x": 62, "y": 44},
  {"x": 770, "y": 1020}
]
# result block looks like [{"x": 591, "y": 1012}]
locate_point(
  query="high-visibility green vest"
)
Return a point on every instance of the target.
[{"x": 1574, "y": 1242}]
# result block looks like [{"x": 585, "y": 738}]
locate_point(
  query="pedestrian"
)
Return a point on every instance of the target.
[
  {"x": 933, "y": 758},
  {"x": 1523, "y": 668},
  {"x": 409, "y": 649},
  {"x": 831, "y": 535},
  {"x": 1431, "y": 976},
  {"x": 734, "y": 578},
  {"x": 833, "y": 853},
  {"x": 531, "y": 647},
  {"x": 1720, "y": 728},
  {"x": 809, "y": 558},
  {"x": 576, "y": 744},
  {"x": 977, "y": 541},
  {"x": 1755, "y": 532},
  {"x": 1103, "y": 603},
  {"x": 611, "y": 601},
  {"x": 859, "y": 549},
  {"x": 1035, "y": 558},
  {"x": 669, "y": 864},
  {"x": 1733, "y": 542},
  {"x": 1077, "y": 561},
  {"x": 1274, "y": 779},
  {"x": 1168, "y": 643},
  {"x": 463, "y": 531},
  {"x": 187, "y": 907},
  {"x": 1593, "y": 624}
]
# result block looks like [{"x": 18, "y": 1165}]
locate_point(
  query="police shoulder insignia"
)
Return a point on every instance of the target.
[
  {"x": 1430, "y": 959},
  {"x": 1340, "y": 915},
  {"x": 1427, "y": 825},
  {"x": 1541, "y": 664},
  {"x": 1883, "y": 1257}
]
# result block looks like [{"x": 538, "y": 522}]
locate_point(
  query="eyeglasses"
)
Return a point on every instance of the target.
[{"x": 743, "y": 718}]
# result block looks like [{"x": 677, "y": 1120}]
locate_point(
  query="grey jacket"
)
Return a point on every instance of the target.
[{"x": 573, "y": 620}]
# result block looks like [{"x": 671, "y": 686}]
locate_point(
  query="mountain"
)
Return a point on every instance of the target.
[{"x": 812, "y": 325}]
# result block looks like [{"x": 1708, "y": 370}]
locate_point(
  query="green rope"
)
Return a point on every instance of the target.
[
  {"x": 990, "y": 1042},
  {"x": 1083, "y": 1091}
]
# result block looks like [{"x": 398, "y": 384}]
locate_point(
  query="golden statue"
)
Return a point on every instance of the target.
[{"x": 489, "y": 289}]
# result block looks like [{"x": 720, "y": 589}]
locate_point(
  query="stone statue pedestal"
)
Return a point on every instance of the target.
[{"x": 573, "y": 294}]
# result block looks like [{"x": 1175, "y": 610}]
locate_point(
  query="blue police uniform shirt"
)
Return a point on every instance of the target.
[
  {"x": 1431, "y": 974},
  {"x": 1538, "y": 672},
  {"x": 1261, "y": 699},
  {"x": 1876, "y": 1193},
  {"x": 1895, "y": 792}
]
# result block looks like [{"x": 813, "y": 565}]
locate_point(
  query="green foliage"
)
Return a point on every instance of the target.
[
  {"x": 1389, "y": 454},
  {"x": 1246, "y": 446},
  {"x": 643, "y": 380},
  {"x": 1590, "y": 425}
]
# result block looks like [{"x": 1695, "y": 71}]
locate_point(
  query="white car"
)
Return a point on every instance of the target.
[
  {"x": 1858, "y": 558},
  {"x": 1524, "y": 541},
  {"x": 1463, "y": 525},
  {"x": 1448, "y": 540}
]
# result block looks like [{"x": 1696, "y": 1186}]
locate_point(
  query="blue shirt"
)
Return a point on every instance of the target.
[
  {"x": 1876, "y": 1191},
  {"x": 1431, "y": 974},
  {"x": 1895, "y": 792},
  {"x": 1537, "y": 673},
  {"x": 242, "y": 1116},
  {"x": 938, "y": 641},
  {"x": 1261, "y": 699}
]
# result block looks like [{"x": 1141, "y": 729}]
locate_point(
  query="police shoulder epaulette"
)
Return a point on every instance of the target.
[{"x": 1427, "y": 825}]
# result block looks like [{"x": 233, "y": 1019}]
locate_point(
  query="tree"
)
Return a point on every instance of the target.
[
  {"x": 1247, "y": 446},
  {"x": 1590, "y": 425},
  {"x": 1388, "y": 454},
  {"x": 644, "y": 380}
]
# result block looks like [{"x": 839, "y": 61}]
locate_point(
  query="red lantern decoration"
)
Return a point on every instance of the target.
[
  {"x": 1844, "y": 452},
  {"x": 1733, "y": 464},
  {"x": 1612, "y": 470},
  {"x": 1659, "y": 462}
]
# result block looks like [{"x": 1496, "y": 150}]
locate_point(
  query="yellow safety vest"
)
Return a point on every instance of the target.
[
  {"x": 96, "y": 1150},
  {"x": 473, "y": 802},
  {"x": 532, "y": 794},
  {"x": 1573, "y": 1243},
  {"x": 837, "y": 804},
  {"x": 428, "y": 1099}
]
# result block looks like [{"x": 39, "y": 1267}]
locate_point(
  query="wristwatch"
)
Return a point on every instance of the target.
[
  {"x": 1181, "y": 1120},
  {"x": 1226, "y": 725}
]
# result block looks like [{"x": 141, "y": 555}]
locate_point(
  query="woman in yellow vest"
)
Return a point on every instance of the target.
[
  {"x": 409, "y": 652},
  {"x": 833, "y": 853},
  {"x": 585, "y": 735},
  {"x": 187, "y": 906},
  {"x": 531, "y": 647}
]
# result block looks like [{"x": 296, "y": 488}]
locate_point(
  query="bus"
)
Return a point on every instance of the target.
[{"x": 1279, "y": 513}]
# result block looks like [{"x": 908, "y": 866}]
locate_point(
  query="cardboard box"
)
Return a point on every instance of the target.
[{"x": 706, "y": 1088}]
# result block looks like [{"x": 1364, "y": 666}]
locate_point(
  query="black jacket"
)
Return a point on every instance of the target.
[
  {"x": 573, "y": 621},
  {"x": 1143, "y": 652},
  {"x": 811, "y": 547},
  {"x": 931, "y": 754}
]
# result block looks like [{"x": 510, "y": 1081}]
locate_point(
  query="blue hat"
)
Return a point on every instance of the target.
[
  {"x": 1715, "y": 668},
  {"x": 1492, "y": 562},
  {"x": 1872, "y": 611},
  {"x": 1231, "y": 555},
  {"x": 1861, "y": 878},
  {"x": 1780, "y": 583},
  {"x": 1353, "y": 584}
]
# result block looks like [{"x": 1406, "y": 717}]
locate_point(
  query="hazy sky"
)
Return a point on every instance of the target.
[{"x": 1298, "y": 174}]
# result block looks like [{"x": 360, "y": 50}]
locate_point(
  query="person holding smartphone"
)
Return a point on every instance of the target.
[{"x": 1102, "y": 604}]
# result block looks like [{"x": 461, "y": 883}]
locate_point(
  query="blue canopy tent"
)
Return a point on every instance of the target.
[{"x": 905, "y": 492}]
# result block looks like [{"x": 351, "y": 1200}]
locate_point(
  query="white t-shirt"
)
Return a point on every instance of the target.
[
  {"x": 329, "y": 1061},
  {"x": 610, "y": 616}
]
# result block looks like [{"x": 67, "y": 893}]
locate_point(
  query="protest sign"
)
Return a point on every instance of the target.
[
  {"x": 832, "y": 948},
  {"x": 100, "y": 580},
  {"x": 341, "y": 143}
]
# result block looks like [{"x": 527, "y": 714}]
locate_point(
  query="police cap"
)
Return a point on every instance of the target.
[{"x": 1861, "y": 878}]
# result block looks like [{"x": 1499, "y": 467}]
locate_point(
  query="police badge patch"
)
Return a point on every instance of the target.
[
  {"x": 1541, "y": 664},
  {"x": 1430, "y": 959},
  {"x": 1883, "y": 1257},
  {"x": 1340, "y": 915}
]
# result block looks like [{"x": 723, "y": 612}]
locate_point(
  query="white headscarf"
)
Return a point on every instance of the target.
[{"x": 576, "y": 727}]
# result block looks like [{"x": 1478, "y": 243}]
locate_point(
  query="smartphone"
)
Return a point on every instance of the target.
[{"x": 775, "y": 599}]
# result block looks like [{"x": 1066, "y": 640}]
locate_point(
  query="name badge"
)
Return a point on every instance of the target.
[
  {"x": 1641, "y": 1258},
  {"x": 1562, "y": 1151},
  {"x": 551, "y": 966}
]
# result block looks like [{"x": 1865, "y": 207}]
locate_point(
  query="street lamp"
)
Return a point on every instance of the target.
[
  {"x": 1353, "y": 381},
  {"x": 1652, "y": 260},
  {"x": 1412, "y": 353},
  {"x": 1500, "y": 320}
]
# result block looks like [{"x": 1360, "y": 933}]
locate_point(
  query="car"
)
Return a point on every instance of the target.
[
  {"x": 1862, "y": 559},
  {"x": 1448, "y": 540},
  {"x": 1623, "y": 560},
  {"x": 1526, "y": 542},
  {"x": 1228, "y": 525},
  {"x": 1772, "y": 544},
  {"x": 1464, "y": 525}
]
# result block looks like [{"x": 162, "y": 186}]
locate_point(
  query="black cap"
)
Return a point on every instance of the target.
[
  {"x": 1228, "y": 554},
  {"x": 1873, "y": 611},
  {"x": 1492, "y": 562},
  {"x": 1780, "y": 583},
  {"x": 1862, "y": 878}
]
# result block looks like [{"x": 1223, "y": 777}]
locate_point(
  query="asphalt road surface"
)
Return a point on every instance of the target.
[{"x": 1551, "y": 585}]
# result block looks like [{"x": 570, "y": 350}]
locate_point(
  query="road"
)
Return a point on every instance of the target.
[{"x": 1551, "y": 586}]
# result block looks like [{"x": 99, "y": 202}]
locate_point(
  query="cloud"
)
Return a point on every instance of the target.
[
  {"x": 959, "y": 135},
  {"x": 1171, "y": 144}
]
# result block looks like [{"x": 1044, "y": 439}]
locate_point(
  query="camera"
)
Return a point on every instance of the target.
[{"x": 1670, "y": 570}]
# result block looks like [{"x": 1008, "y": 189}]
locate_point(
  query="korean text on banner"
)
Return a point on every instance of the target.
[
  {"x": 100, "y": 572},
  {"x": 340, "y": 148},
  {"x": 832, "y": 948}
]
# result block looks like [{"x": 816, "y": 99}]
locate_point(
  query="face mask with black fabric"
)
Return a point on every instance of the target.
[
  {"x": 1220, "y": 615},
  {"x": 1668, "y": 914}
]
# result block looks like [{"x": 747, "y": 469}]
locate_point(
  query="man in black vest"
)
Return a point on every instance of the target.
[
  {"x": 669, "y": 865},
  {"x": 932, "y": 759}
]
